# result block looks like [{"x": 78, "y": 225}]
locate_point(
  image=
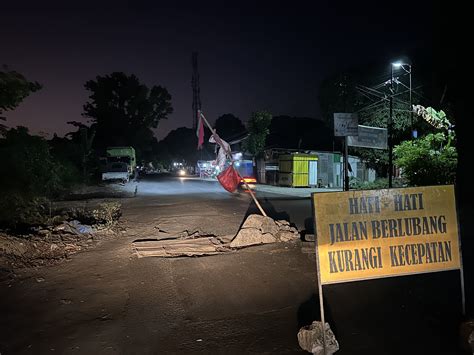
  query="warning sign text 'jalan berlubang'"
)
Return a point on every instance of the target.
[{"x": 380, "y": 233}]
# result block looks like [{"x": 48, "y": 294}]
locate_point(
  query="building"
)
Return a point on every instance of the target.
[{"x": 329, "y": 168}]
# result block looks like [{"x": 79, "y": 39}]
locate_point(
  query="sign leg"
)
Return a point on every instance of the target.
[{"x": 321, "y": 300}]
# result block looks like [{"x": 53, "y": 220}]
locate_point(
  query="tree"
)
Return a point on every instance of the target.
[
  {"x": 179, "y": 145},
  {"x": 229, "y": 127},
  {"x": 123, "y": 111},
  {"x": 14, "y": 87},
  {"x": 337, "y": 93},
  {"x": 299, "y": 133},
  {"x": 257, "y": 126},
  {"x": 82, "y": 140}
]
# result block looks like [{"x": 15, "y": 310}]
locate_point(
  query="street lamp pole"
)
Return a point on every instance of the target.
[
  {"x": 413, "y": 131},
  {"x": 390, "y": 124}
]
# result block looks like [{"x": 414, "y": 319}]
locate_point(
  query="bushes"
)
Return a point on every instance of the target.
[
  {"x": 380, "y": 183},
  {"x": 18, "y": 211},
  {"x": 430, "y": 160},
  {"x": 29, "y": 175},
  {"x": 27, "y": 166}
]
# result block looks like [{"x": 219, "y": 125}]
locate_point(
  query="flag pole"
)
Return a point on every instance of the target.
[{"x": 230, "y": 155}]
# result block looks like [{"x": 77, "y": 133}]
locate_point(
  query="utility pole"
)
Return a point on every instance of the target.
[
  {"x": 196, "y": 90},
  {"x": 390, "y": 129}
]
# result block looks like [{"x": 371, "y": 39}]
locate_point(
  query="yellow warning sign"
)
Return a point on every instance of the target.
[{"x": 379, "y": 233}]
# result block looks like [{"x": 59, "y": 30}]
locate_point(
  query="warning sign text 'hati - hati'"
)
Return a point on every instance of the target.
[{"x": 378, "y": 233}]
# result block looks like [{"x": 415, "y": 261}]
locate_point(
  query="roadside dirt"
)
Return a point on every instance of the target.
[
  {"x": 38, "y": 250},
  {"x": 76, "y": 224}
]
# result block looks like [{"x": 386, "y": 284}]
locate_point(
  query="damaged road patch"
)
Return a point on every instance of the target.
[
  {"x": 169, "y": 248},
  {"x": 255, "y": 230}
]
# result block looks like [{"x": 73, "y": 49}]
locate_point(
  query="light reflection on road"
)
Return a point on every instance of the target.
[{"x": 151, "y": 185}]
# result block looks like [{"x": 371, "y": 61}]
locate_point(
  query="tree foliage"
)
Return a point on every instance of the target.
[
  {"x": 14, "y": 87},
  {"x": 258, "y": 128},
  {"x": 229, "y": 127},
  {"x": 430, "y": 160},
  {"x": 123, "y": 111},
  {"x": 299, "y": 132},
  {"x": 337, "y": 93}
]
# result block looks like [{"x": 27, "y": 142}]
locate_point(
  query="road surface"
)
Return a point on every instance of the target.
[{"x": 250, "y": 301}]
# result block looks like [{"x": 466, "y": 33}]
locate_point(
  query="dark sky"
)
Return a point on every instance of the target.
[{"x": 251, "y": 56}]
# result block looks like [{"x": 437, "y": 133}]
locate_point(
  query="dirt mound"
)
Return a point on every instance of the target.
[
  {"x": 46, "y": 248},
  {"x": 54, "y": 242}
]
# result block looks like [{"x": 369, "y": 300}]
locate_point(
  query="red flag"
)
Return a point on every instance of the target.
[
  {"x": 200, "y": 130},
  {"x": 229, "y": 179}
]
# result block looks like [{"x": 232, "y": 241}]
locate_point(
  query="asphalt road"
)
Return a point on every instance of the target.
[{"x": 250, "y": 301}]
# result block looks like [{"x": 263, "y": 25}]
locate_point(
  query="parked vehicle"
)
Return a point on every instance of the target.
[{"x": 119, "y": 164}]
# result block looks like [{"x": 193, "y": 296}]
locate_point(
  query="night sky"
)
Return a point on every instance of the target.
[{"x": 251, "y": 56}]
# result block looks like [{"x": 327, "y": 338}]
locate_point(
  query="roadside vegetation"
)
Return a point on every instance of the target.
[
  {"x": 428, "y": 159},
  {"x": 35, "y": 171}
]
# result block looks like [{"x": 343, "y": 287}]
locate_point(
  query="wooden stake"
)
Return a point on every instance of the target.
[{"x": 229, "y": 154}]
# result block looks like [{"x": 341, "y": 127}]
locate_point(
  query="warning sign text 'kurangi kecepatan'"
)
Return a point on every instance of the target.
[{"x": 379, "y": 233}]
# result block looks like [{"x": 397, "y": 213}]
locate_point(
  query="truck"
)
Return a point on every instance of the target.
[{"x": 119, "y": 163}]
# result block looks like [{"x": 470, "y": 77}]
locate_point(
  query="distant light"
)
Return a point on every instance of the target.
[
  {"x": 182, "y": 172},
  {"x": 397, "y": 64},
  {"x": 237, "y": 163},
  {"x": 249, "y": 179}
]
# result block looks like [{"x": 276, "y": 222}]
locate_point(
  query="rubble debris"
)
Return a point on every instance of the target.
[
  {"x": 251, "y": 236},
  {"x": 466, "y": 334},
  {"x": 262, "y": 223},
  {"x": 189, "y": 234},
  {"x": 170, "y": 248},
  {"x": 73, "y": 227},
  {"x": 310, "y": 338},
  {"x": 259, "y": 229},
  {"x": 226, "y": 239}
]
